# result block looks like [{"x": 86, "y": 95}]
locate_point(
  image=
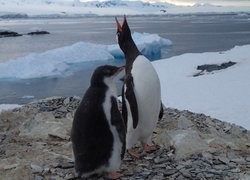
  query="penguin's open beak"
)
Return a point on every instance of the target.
[
  {"x": 120, "y": 69},
  {"x": 119, "y": 27}
]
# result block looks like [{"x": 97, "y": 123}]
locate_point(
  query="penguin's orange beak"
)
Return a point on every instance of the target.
[{"x": 119, "y": 27}]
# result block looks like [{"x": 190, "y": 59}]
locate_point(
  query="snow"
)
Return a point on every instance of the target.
[
  {"x": 4, "y": 107},
  {"x": 69, "y": 8},
  {"x": 222, "y": 94}
]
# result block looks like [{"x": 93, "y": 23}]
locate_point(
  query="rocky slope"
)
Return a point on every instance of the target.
[{"x": 35, "y": 144}]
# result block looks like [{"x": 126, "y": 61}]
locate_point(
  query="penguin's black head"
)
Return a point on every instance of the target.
[
  {"x": 123, "y": 34},
  {"x": 106, "y": 72}
]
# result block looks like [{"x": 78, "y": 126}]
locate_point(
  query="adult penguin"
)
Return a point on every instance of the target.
[
  {"x": 98, "y": 131},
  {"x": 141, "y": 94}
]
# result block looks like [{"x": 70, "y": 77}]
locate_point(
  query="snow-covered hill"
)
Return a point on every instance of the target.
[
  {"x": 62, "y": 8},
  {"x": 112, "y": 3},
  {"x": 222, "y": 94},
  {"x": 76, "y": 8}
]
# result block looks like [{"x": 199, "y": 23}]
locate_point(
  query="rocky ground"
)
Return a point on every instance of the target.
[{"x": 35, "y": 144}]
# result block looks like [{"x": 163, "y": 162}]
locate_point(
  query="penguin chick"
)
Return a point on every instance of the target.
[
  {"x": 141, "y": 94},
  {"x": 98, "y": 131}
]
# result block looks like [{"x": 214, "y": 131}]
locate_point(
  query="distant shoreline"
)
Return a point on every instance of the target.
[{"x": 24, "y": 16}]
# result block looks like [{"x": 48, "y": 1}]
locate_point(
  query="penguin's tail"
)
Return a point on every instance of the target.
[{"x": 161, "y": 112}]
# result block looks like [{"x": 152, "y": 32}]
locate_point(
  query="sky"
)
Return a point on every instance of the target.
[
  {"x": 192, "y": 2},
  {"x": 214, "y": 2}
]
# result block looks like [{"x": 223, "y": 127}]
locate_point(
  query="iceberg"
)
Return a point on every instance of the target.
[
  {"x": 149, "y": 44},
  {"x": 61, "y": 61}
]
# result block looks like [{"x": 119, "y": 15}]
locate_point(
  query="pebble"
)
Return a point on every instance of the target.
[
  {"x": 236, "y": 170},
  {"x": 11, "y": 166},
  {"x": 248, "y": 159},
  {"x": 208, "y": 175},
  {"x": 36, "y": 168},
  {"x": 223, "y": 160},
  {"x": 238, "y": 160},
  {"x": 38, "y": 178},
  {"x": 185, "y": 173},
  {"x": 169, "y": 172},
  {"x": 159, "y": 166},
  {"x": 60, "y": 172}
]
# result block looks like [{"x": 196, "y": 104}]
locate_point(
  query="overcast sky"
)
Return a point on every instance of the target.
[
  {"x": 215, "y": 2},
  {"x": 192, "y": 2}
]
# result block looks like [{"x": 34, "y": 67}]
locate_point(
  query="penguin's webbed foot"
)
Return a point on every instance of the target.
[
  {"x": 134, "y": 154},
  {"x": 114, "y": 175},
  {"x": 148, "y": 148}
]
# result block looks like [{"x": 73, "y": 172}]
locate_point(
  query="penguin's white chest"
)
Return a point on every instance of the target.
[
  {"x": 147, "y": 92},
  {"x": 115, "y": 159}
]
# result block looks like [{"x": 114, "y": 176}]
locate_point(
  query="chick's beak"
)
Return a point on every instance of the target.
[{"x": 120, "y": 69}]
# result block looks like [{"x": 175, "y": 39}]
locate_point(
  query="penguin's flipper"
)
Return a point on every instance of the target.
[
  {"x": 161, "y": 112},
  {"x": 130, "y": 96},
  {"x": 117, "y": 121},
  {"x": 124, "y": 108}
]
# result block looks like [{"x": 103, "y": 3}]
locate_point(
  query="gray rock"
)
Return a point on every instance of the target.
[
  {"x": 236, "y": 170},
  {"x": 38, "y": 178},
  {"x": 223, "y": 160},
  {"x": 60, "y": 172},
  {"x": 185, "y": 173},
  {"x": 36, "y": 168},
  {"x": 45, "y": 124},
  {"x": 208, "y": 175},
  {"x": 9, "y": 166},
  {"x": 66, "y": 101},
  {"x": 238, "y": 160},
  {"x": 46, "y": 170},
  {"x": 170, "y": 172},
  {"x": 184, "y": 123},
  {"x": 180, "y": 177},
  {"x": 200, "y": 176},
  {"x": 69, "y": 176},
  {"x": 248, "y": 159},
  {"x": 232, "y": 165},
  {"x": 187, "y": 142},
  {"x": 220, "y": 167},
  {"x": 159, "y": 166}
]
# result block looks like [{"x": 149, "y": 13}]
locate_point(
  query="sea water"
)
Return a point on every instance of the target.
[{"x": 188, "y": 33}]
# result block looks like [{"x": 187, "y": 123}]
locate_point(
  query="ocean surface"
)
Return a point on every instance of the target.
[{"x": 189, "y": 34}]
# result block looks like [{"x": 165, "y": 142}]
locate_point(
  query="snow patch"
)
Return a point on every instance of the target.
[
  {"x": 4, "y": 107},
  {"x": 223, "y": 95}
]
